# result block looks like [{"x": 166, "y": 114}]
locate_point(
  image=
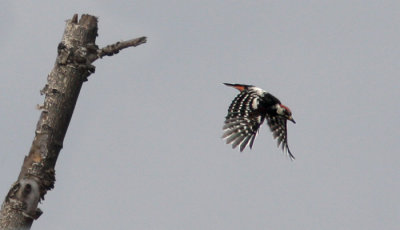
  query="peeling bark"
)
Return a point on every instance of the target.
[{"x": 76, "y": 53}]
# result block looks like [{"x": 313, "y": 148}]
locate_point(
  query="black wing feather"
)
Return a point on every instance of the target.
[
  {"x": 278, "y": 126},
  {"x": 242, "y": 122}
]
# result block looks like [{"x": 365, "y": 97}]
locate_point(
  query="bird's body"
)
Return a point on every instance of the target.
[{"x": 248, "y": 111}]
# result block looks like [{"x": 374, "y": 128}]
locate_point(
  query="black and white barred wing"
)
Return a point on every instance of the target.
[
  {"x": 279, "y": 130},
  {"x": 243, "y": 121}
]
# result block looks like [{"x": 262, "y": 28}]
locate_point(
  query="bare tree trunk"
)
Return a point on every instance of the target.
[{"x": 76, "y": 53}]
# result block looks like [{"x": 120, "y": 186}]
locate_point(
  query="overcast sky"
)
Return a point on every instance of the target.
[{"x": 143, "y": 150}]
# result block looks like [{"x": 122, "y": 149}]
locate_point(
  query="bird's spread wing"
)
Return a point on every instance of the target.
[
  {"x": 279, "y": 130},
  {"x": 243, "y": 121}
]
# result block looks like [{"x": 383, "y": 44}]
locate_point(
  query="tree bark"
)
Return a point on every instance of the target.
[{"x": 76, "y": 53}]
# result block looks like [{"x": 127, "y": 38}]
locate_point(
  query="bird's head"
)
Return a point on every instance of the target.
[{"x": 284, "y": 111}]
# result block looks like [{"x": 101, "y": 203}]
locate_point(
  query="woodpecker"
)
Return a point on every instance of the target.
[{"x": 248, "y": 111}]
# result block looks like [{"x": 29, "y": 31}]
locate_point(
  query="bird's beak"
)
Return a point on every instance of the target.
[{"x": 291, "y": 119}]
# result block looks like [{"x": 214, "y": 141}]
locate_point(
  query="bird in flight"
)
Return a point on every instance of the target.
[{"x": 248, "y": 111}]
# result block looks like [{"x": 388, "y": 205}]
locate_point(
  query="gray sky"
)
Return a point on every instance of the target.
[{"x": 143, "y": 150}]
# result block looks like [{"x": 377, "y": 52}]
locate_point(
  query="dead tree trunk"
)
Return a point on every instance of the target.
[{"x": 76, "y": 53}]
